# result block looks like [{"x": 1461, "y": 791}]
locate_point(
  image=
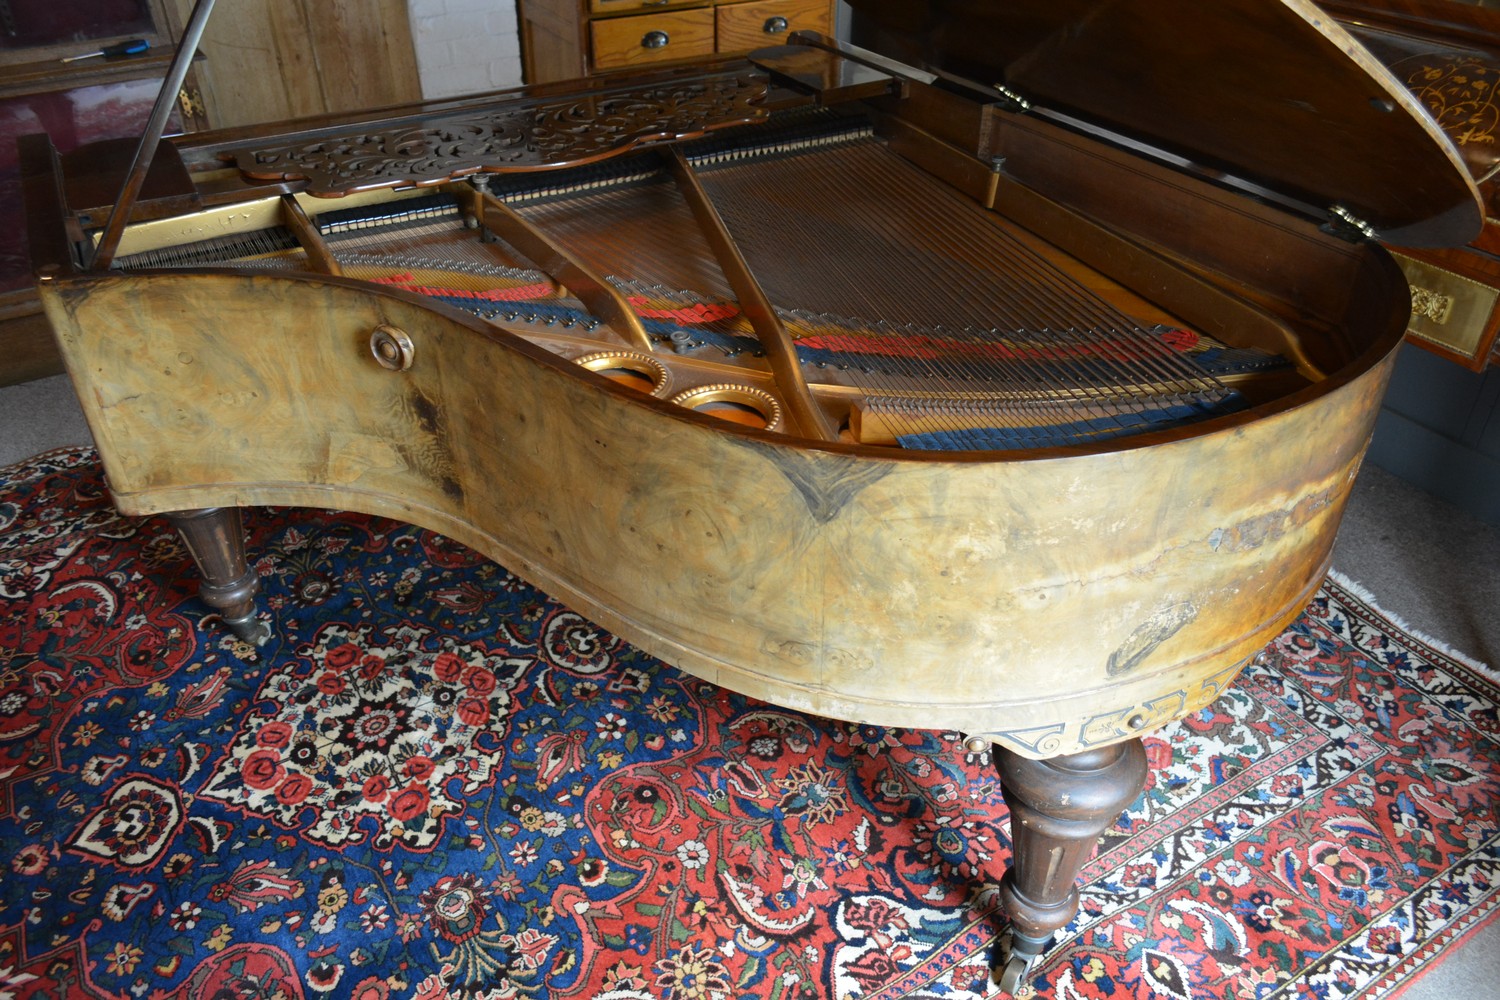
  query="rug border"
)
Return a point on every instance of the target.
[
  {"x": 1362, "y": 594},
  {"x": 79, "y": 450},
  {"x": 1446, "y": 953}
]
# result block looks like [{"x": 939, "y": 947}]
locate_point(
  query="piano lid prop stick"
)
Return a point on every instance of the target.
[{"x": 114, "y": 228}]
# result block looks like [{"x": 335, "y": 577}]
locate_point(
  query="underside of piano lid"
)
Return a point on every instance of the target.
[{"x": 1274, "y": 98}]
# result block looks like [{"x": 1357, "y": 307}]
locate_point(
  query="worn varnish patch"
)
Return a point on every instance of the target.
[{"x": 1148, "y": 635}]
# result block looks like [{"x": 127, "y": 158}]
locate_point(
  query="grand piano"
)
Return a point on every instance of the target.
[{"x": 1005, "y": 370}]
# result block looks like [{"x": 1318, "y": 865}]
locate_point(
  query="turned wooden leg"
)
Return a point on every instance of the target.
[
  {"x": 216, "y": 538},
  {"x": 1058, "y": 809}
]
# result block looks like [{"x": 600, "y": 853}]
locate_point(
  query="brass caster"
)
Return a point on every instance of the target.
[{"x": 251, "y": 630}]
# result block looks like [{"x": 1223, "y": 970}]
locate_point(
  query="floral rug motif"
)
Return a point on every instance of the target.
[{"x": 435, "y": 781}]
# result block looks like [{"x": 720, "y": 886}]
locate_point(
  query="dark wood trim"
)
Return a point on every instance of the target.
[
  {"x": 1457, "y": 22},
  {"x": 27, "y": 349},
  {"x": 216, "y": 538},
  {"x": 1058, "y": 809}
]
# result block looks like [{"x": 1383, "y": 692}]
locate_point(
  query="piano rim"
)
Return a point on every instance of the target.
[
  {"x": 53, "y": 276},
  {"x": 1150, "y": 696}
]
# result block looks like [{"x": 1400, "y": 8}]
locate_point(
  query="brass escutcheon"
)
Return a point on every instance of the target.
[{"x": 392, "y": 348}]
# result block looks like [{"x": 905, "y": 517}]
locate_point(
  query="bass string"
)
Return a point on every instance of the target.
[
  {"x": 793, "y": 253},
  {"x": 648, "y": 235},
  {"x": 1045, "y": 292},
  {"x": 272, "y": 249},
  {"x": 1003, "y": 293},
  {"x": 1025, "y": 286},
  {"x": 776, "y": 241},
  {"x": 644, "y": 233},
  {"x": 880, "y": 225},
  {"x": 443, "y": 245},
  {"x": 624, "y": 218},
  {"x": 417, "y": 243},
  {"x": 906, "y": 278},
  {"x": 654, "y": 240}
]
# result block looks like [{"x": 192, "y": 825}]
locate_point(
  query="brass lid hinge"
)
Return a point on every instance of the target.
[
  {"x": 1347, "y": 226},
  {"x": 1010, "y": 100},
  {"x": 190, "y": 102}
]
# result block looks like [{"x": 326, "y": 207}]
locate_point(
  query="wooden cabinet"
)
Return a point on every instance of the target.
[
  {"x": 274, "y": 60},
  {"x": 745, "y": 26},
  {"x": 77, "y": 102},
  {"x": 565, "y": 39}
]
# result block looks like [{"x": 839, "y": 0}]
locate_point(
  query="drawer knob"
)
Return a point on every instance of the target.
[
  {"x": 775, "y": 25},
  {"x": 656, "y": 40}
]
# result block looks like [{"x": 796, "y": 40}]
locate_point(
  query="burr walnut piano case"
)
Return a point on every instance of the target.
[
  {"x": 1049, "y": 598},
  {"x": 1033, "y": 244}
]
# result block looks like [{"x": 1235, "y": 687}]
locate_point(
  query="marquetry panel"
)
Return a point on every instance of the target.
[{"x": 1455, "y": 304}]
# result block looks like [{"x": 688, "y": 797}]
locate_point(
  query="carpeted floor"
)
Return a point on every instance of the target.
[
  {"x": 1437, "y": 569},
  {"x": 1422, "y": 560},
  {"x": 39, "y": 416}
]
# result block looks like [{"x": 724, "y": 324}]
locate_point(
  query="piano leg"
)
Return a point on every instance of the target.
[
  {"x": 216, "y": 538},
  {"x": 1058, "y": 809}
]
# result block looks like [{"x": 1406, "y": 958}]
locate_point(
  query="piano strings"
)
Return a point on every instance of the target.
[{"x": 943, "y": 328}]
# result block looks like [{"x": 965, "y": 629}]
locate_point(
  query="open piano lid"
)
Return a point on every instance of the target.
[{"x": 1269, "y": 94}]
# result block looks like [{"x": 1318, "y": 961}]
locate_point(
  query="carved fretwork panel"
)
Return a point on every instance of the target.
[{"x": 516, "y": 135}]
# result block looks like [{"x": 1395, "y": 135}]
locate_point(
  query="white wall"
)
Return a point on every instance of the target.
[{"x": 465, "y": 46}]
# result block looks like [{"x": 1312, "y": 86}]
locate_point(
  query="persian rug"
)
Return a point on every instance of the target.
[{"x": 435, "y": 781}]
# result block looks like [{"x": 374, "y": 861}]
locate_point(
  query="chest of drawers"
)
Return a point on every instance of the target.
[{"x": 564, "y": 39}]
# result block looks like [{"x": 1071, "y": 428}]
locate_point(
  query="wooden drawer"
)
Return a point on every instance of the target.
[
  {"x": 650, "y": 38},
  {"x": 639, "y": 6},
  {"x": 746, "y": 26}
]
